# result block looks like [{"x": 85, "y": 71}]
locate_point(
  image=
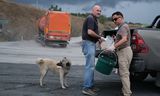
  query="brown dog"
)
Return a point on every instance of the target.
[{"x": 62, "y": 68}]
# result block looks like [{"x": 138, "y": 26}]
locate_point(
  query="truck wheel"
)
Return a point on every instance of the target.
[
  {"x": 63, "y": 45},
  {"x": 138, "y": 76}
]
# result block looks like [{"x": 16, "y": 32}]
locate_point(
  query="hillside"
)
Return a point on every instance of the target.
[{"x": 22, "y": 21}]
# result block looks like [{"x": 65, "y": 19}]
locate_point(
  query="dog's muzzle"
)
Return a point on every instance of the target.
[{"x": 68, "y": 64}]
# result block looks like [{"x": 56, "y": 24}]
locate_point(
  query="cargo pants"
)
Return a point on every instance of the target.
[{"x": 124, "y": 59}]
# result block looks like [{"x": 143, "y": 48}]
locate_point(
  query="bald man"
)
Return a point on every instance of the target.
[{"x": 90, "y": 35}]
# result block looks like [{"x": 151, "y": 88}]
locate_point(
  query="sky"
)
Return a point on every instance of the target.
[{"x": 136, "y": 11}]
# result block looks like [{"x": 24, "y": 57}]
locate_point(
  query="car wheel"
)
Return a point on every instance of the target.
[{"x": 138, "y": 76}]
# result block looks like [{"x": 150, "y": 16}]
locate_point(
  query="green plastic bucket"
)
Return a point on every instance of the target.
[{"x": 107, "y": 60}]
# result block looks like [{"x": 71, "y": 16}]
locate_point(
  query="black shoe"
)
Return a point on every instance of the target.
[
  {"x": 88, "y": 92},
  {"x": 120, "y": 94}
]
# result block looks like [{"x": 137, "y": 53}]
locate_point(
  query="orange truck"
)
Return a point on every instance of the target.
[{"x": 55, "y": 28}]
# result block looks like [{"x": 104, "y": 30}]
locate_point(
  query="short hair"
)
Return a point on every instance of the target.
[
  {"x": 117, "y": 13},
  {"x": 95, "y": 6}
]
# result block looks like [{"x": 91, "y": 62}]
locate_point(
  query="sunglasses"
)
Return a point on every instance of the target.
[{"x": 115, "y": 19}]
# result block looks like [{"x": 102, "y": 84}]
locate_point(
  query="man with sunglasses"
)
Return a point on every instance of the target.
[
  {"x": 90, "y": 35},
  {"x": 124, "y": 51}
]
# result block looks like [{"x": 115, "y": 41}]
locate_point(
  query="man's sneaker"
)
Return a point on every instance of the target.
[
  {"x": 88, "y": 92},
  {"x": 120, "y": 93},
  {"x": 95, "y": 89}
]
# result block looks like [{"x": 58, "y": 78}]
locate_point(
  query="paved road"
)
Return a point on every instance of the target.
[
  {"x": 23, "y": 80},
  {"x": 19, "y": 75},
  {"x": 28, "y": 51}
]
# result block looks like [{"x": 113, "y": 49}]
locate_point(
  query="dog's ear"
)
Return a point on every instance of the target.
[
  {"x": 39, "y": 61},
  {"x": 59, "y": 64}
]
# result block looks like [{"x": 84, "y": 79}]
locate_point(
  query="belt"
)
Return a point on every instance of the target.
[
  {"x": 88, "y": 40},
  {"x": 118, "y": 49}
]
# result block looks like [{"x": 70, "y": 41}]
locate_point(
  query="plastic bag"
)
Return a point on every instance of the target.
[{"x": 107, "y": 43}]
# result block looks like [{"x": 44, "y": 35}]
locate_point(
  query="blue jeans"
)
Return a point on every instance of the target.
[{"x": 88, "y": 49}]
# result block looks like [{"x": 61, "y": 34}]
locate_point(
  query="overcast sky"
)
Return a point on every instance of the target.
[{"x": 137, "y": 11}]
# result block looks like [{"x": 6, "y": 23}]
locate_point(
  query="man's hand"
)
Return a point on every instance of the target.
[
  {"x": 111, "y": 48},
  {"x": 103, "y": 39}
]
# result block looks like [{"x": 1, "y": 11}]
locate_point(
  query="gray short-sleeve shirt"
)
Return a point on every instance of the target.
[{"x": 123, "y": 31}]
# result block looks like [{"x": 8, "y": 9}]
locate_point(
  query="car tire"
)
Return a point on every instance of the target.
[
  {"x": 153, "y": 74},
  {"x": 138, "y": 76}
]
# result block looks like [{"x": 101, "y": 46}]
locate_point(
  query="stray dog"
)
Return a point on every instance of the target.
[{"x": 62, "y": 68}]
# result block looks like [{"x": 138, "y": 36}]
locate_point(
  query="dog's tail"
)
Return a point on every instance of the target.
[{"x": 40, "y": 61}]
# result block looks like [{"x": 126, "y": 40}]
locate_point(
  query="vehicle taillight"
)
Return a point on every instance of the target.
[{"x": 138, "y": 44}]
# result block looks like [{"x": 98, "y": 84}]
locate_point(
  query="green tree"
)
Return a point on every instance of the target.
[{"x": 55, "y": 8}]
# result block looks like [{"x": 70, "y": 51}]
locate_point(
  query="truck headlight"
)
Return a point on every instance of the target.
[{"x": 51, "y": 37}]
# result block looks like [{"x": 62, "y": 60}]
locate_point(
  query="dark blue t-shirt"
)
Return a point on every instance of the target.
[{"x": 90, "y": 23}]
